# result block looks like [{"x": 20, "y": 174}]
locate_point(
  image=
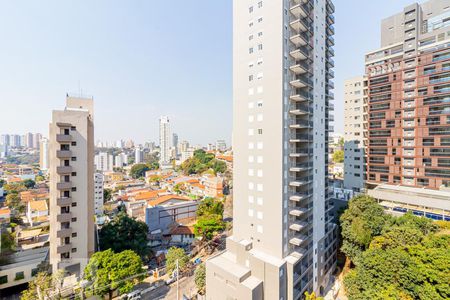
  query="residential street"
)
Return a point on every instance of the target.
[{"x": 186, "y": 287}]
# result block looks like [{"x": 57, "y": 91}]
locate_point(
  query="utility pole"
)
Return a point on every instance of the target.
[{"x": 178, "y": 296}]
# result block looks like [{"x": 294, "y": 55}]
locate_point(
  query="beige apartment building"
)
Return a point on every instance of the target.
[
  {"x": 355, "y": 132},
  {"x": 284, "y": 241},
  {"x": 71, "y": 154}
]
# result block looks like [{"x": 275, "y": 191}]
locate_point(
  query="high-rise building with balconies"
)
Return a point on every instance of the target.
[
  {"x": 71, "y": 154},
  {"x": 284, "y": 239},
  {"x": 408, "y": 99}
]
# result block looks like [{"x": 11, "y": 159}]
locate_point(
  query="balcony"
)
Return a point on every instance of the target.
[
  {"x": 299, "y": 26},
  {"x": 298, "y": 226},
  {"x": 299, "y": 197},
  {"x": 300, "y": 96},
  {"x": 66, "y": 217},
  {"x": 64, "y": 185},
  {"x": 300, "y": 138},
  {"x": 330, "y": 30},
  {"x": 64, "y": 201},
  {"x": 63, "y": 138},
  {"x": 300, "y": 152},
  {"x": 300, "y": 39},
  {"x": 298, "y": 211},
  {"x": 300, "y": 110},
  {"x": 300, "y": 181},
  {"x": 63, "y": 125},
  {"x": 299, "y": 53},
  {"x": 300, "y": 82},
  {"x": 64, "y": 248},
  {"x": 330, "y": 7},
  {"x": 330, "y": 63},
  {"x": 64, "y": 170},
  {"x": 299, "y": 68},
  {"x": 300, "y": 124},
  {"x": 300, "y": 167},
  {"x": 65, "y": 232},
  {"x": 330, "y": 41},
  {"x": 299, "y": 10},
  {"x": 331, "y": 118},
  {"x": 63, "y": 154},
  {"x": 298, "y": 240}
]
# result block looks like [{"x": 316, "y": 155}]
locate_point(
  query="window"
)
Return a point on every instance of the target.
[
  {"x": 260, "y": 4},
  {"x": 250, "y": 50},
  {"x": 74, "y": 189},
  {"x": 259, "y": 200},
  {"x": 19, "y": 276},
  {"x": 74, "y": 204},
  {"x": 251, "y": 118},
  {"x": 251, "y": 132},
  {"x": 3, "y": 279},
  {"x": 260, "y": 19},
  {"x": 250, "y": 37},
  {"x": 74, "y": 173},
  {"x": 74, "y": 158},
  {"x": 259, "y": 159},
  {"x": 259, "y": 187},
  {"x": 250, "y": 212},
  {"x": 259, "y": 131},
  {"x": 74, "y": 234},
  {"x": 250, "y": 24},
  {"x": 259, "y": 145},
  {"x": 259, "y": 228},
  {"x": 259, "y": 215},
  {"x": 260, "y": 46},
  {"x": 74, "y": 250},
  {"x": 260, "y": 103},
  {"x": 250, "y": 78},
  {"x": 74, "y": 219},
  {"x": 250, "y": 9},
  {"x": 251, "y": 172},
  {"x": 74, "y": 143},
  {"x": 251, "y": 199}
]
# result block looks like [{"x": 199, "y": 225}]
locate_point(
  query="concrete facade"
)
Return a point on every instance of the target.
[
  {"x": 355, "y": 130},
  {"x": 284, "y": 241},
  {"x": 408, "y": 92},
  {"x": 71, "y": 148}
]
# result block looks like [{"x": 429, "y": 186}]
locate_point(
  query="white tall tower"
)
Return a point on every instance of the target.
[
  {"x": 44, "y": 155},
  {"x": 164, "y": 140},
  {"x": 283, "y": 241}
]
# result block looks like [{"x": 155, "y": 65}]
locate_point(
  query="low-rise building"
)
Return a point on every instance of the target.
[
  {"x": 21, "y": 267},
  {"x": 5, "y": 215},
  {"x": 165, "y": 210},
  {"x": 213, "y": 186},
  {"x": 37, "y": 211},
  {"x": 182, "y": 234}
]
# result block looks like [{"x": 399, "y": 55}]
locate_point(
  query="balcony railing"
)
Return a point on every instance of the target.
[
  {"x": 63, "y": 154},
  {"x": 64, "y": 170},
  {"x": 63, "y": 138},
  {"x": 65, "y": 217},
  {"x": 64, "y": 201}
]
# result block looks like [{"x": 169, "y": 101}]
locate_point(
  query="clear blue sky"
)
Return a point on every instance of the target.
[{"x": 142, "y": 59}]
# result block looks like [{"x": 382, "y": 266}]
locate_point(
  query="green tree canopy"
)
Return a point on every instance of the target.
[
  {"x": 210, "y": 206},
  {"x": 207, "y": 226},
  {"x": 338, "y": 156},
  {"x": 108, "y": 271},
  {"x": 29, "y": 183},
  {"x": 200, "y": 278},
  {"x": 201, "y": 162},
  {"x": 107, "y": 195},
  {"x": 138, "y": 170},
  {"x": 361, "y": 221},
  {"x": 172, "y": 256},
  {"x": 125, "y": 233}
]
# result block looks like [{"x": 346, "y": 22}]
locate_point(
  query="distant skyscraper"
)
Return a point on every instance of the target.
[
  {"x": 120, "y": 144},
  {"x": 221, "y": 145},
  {"x": 98, "y": 194},
  {"x": 104, "y": 162},
  {"x": 44, "y": 161},
  {"x": 284, "y": 239},
  {"x": 120, "y": 160},
  {"x": 5, "y": 140},
  {"x": 29, "y": 140},
  {"x": 37, "y": 137},
  {"x": 71, "y": 148},
  {"x": 183, "y": 146},
  {"x": 3, "y": 151},
  {"x": 164, "y": 140},
  {"x": 138, "y": 155}
]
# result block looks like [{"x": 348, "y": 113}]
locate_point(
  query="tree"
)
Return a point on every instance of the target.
[
  {"x": 338, "y": 156},
  {"x": 210, "y": 206},
  {"x": 200, "y": 278},
  {"x": 362, "y": 220},
  {"x": 107, "y": 195},
  {"x": 138, "y": 170},
  {"x": 172, "y": 256},
  {"x": 7, "y": 242},
  {"x": 201, "y": 162},
  {"x": 125, "y": 233},
  {"x": 312, "y": 296},
  {"x": 39, "y": 288},
  {"x": 13, "y": 202},
  {"x": 2, "y": 182},
  {"x": 40, "y": 178},
  {"x": 207, "y": 226},
  {"x": 29, "y": 183},
  {"x": 108, "y": 271}
]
